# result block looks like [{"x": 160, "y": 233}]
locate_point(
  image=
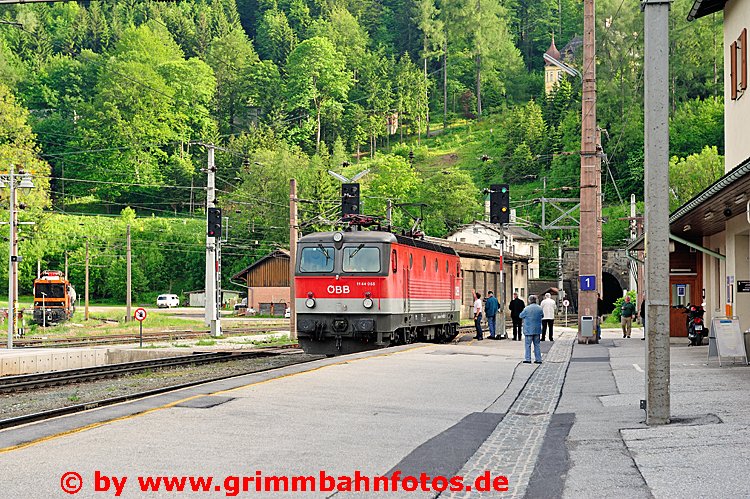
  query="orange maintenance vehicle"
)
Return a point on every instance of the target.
[{"x": 54, "y": 298}]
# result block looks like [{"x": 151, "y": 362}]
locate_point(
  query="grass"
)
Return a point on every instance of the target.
[{"x": 78, "y": 327}]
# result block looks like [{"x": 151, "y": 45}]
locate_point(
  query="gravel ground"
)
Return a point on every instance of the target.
[{"x": 19, "y": 404}]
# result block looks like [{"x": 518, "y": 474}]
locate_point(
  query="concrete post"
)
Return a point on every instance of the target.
[
  {"x": 86, "y": 285},
  {"x": 213, "y": 317},
  {"x": 500, "y": 333},
  {"x": 656, "y": 157},
  {"x": 11, "y": 262},
  {"x": 292, "y": 258},
  {"x": 589, "y": 254},
  {"x": 128, "y": 279}
]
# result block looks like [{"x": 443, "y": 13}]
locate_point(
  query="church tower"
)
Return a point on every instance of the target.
[{"x": 552, "y": 73}]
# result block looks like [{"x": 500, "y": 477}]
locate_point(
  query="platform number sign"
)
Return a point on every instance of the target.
[
  {"x": 140, "y": 314},
  {"x": 587, "y": 283}
]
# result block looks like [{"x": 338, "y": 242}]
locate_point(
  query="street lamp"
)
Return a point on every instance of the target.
[{"x": 13, "y": 257}]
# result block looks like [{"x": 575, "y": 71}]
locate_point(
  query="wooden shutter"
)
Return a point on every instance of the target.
[
  {"x": 733, "y": 70},
  {"x": 743, "y": 51}
]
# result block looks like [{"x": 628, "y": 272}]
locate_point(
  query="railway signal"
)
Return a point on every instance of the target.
[
  {"x": 214, "y": 222},
  {"x": 499, "y": 204},
  {"x": 349, "y": 199}
]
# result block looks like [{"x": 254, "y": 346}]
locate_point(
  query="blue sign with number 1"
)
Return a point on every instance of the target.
[{"x": 588, "y": 283}]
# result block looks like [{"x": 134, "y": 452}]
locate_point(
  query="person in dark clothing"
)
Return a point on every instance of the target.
[
  {"x": 491, "y": 307},
  {"x": 599, "y": 313},
  {"x": 643, "y": 317},
  {"x": 516, "y": 306}
]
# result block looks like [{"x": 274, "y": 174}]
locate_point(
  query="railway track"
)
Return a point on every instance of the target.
[
  {"x": 72, "y": 409},
  {"x": 118, "y": 339},
  {"x": 55, "y": 378}
]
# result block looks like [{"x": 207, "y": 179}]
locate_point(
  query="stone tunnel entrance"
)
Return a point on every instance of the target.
[{"x": 612, "y": 291}]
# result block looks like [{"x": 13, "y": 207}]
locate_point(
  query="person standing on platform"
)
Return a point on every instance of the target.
[
  {"x": 532, "y": 327},
  {"x": 478, "y": 314},
  {"x": 548, "y": 306},
  {"x": 516, "y": 307},
  {"x": 491, "y": 307},
  {"x": 627, "y": 313}
]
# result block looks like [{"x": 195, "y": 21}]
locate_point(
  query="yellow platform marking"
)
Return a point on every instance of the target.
[{"x": 98, "y": 424}]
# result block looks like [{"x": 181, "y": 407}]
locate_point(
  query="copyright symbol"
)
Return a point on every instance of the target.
[{"x": 71, "y": 482}]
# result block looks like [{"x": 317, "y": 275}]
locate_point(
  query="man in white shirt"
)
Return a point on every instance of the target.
[
  {"x": 548, "y": 308},
  {"x": 478, "y": 315}
]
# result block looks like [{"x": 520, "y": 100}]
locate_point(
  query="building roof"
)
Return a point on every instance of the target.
[
  {"x": 279, "y": 253},
  {"x": 707, "y": 213},
  {"x": 552, "y": 51},
  {"x": 515, "y": 231},
  {"x": 475, "y": 251},
  {"x": 703, "y": 8}
]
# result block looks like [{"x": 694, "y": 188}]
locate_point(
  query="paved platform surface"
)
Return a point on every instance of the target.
[{"x": 570, "y": 427}]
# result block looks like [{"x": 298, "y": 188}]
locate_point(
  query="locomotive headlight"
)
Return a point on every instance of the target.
[
  {"x": 338, "y": 237},
  {"x": 310, "y": 302},
  {"x": 367, "y": 302}
]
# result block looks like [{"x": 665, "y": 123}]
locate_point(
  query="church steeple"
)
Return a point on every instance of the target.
[{"x": 552, "y": 50}]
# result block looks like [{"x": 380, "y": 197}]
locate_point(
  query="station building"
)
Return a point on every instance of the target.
[{"x": 710, "y": 250}]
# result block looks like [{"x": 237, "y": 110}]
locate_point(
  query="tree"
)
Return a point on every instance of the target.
[
  {"x": 275, "y": 38},
  {"x": 689, "y": 176},
  {"x": 232, "y": 59},
  {"x": 695, "y": 124},
  {"x": 316, "y": 78}
]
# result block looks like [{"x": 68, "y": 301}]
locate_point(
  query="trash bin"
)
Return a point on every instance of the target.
[{"x": 587, "y": 326}]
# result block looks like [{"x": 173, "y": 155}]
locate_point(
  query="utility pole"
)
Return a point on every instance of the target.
[
  {"x": 292, "y": 258},
  {"x": 389, "y": 213},
  {"x": 12, "y": 263},
  {"x": 213, "y": 258},
  {"x": 589, "y": 254},
  {"x": 38, "y": 268},
  {"x": 129, "y": 285},
  {"x": 502, "y": 332},
  {"x": 66, "y": 265},
  {"x": 656, "y": 159},
  {"x": 86, "y": 290},
  {"x": 560, "y": 278},
  {"x": 633, "y": 222}
]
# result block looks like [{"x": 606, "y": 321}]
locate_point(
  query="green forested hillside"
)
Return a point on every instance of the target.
[{"x": 113, "y": 100}]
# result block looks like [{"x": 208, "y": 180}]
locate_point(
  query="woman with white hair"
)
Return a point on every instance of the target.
[{"x": 548, "y": 307}]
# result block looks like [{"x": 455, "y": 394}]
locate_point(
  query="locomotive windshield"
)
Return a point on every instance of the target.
[
  {"x": 49, "y": 290},
  {"x": 317, "y": 259},
  {"x": 361, "y": 259}
]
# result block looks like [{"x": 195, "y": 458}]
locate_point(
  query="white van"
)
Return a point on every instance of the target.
[{"x": 167, "y": 301}]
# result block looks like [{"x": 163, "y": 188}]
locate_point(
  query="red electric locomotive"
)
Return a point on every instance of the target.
[{"x": 363, "y": 290}]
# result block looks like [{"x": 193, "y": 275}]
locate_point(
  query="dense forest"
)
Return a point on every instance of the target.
[{"x": 110, "y": 105}]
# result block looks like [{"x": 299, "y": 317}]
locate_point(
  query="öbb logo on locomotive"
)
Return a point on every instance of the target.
[{"x": 387, "y": 289}]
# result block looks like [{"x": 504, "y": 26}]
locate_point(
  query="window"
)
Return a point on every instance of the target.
[
  {"x": 411, "y": 261},
  {"x": 361, "y": 259},
  {"x": 481, "y": 242},
  {"x": 738, "y": 65},
  {"x": 50, "y": 290},
  {"x": 424, "y": 263},
  {"x": 316, "y": 259},
  {"x": 447, "y": 266},
  {"x": 463, "y": 240},
  {"x": 436, "y": 265},
  {"x": 394, "y": 261},
  {"x": 531, "y": 251}
]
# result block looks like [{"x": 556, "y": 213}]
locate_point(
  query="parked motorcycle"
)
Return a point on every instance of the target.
[{"x": 696, "y": 327}]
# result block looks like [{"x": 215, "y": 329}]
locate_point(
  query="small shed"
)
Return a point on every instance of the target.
[{"x": 267, "y": 282}]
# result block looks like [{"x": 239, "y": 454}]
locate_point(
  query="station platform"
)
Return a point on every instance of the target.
[
  {"x": 570, "y": 427},
  {"x": 36, "y": 360}
]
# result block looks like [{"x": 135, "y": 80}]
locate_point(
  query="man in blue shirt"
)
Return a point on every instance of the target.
[
  {"x": 532, "y": 328},
  {"x": 490, "y": 308}
]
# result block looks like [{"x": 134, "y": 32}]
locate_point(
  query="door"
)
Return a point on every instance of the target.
[{"x": 683, "y": 290}]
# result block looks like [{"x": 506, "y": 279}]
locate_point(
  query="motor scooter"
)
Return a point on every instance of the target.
[{"x": 696, "y": 327}]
